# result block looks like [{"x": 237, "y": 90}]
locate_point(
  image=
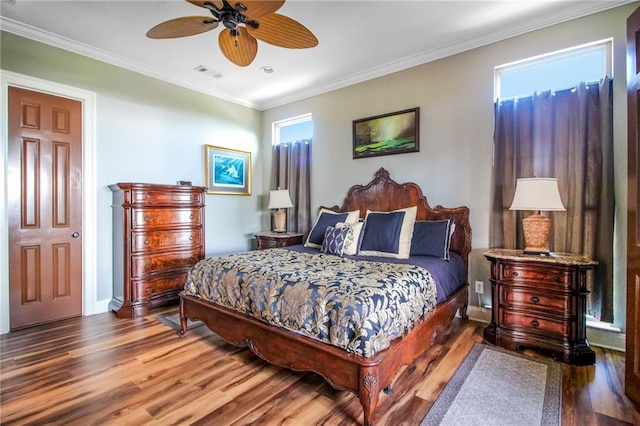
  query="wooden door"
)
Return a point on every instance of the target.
[
  {"x": 632, "y": 364},
  {"x": 44, "y": 187}
]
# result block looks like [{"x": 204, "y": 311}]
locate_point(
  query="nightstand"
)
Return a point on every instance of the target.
[
  {"x": 539, "y": 302},
  {"x": 277, "y": 239}
]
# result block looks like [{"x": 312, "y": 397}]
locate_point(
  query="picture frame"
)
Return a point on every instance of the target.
[
  {"x": 227, "y": 171},
  {"x": 386, "y": 134}
]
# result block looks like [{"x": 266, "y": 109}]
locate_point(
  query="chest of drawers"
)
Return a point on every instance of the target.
[
  {"x": 158, "y": 234},
  {"x": 540, "y": 302}
]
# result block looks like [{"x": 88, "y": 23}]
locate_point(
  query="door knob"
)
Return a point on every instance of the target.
[{"x": 75, "y": 235}]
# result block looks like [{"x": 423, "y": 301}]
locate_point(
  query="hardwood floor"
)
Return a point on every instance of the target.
[{"x": 100, "y": 370}]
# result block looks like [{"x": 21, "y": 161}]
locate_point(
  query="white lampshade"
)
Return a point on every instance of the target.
[
  {"x": 539, "y": 194},
  {"x": 279, "y": 199}
]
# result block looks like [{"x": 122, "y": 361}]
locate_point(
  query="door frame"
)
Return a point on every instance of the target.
[{"x": 89, "y": 243}]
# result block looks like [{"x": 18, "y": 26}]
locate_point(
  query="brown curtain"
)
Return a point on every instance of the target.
[
  {"x": 567, "y": 135},
  {"x": 291, "y": 169}
]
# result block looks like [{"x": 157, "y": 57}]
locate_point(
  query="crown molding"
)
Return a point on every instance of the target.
[
  {"x": 33, "y": 33},
  {"x": 564, "y": 15},
  {"x": 568, "y": 13}
]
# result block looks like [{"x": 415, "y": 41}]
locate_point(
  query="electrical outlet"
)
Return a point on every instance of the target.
[{"x": 479, "y": 287}]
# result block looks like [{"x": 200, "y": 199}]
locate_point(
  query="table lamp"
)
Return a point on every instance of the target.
[
  {"x": 279, "y": 199},
  {"x": 537, "y": 194}
]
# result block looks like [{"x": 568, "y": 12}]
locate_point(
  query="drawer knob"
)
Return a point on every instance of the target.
[
  {"x": 149, "y": 290},
  {"x": 556, "y": 279},
  {"x": 514, "y": 274},
  {"x": 147, "y": 241},
  {"x": 191, "y": 216},
  {"x": 191, "y": 238},
  {"x": 147, "y": 265},
  {"x": 147, "y": 218},
  {"x": 535, "y": 323},
  {"x": 535, "y": 299}
]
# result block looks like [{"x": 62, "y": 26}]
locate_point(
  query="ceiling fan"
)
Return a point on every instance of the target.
[{"x": 245, "y": 22}]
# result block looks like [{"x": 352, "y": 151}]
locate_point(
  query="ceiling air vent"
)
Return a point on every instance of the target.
[{"x": 208, "y": 71}]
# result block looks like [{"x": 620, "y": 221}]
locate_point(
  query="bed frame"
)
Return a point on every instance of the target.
[{"x": 344, "y": 370}]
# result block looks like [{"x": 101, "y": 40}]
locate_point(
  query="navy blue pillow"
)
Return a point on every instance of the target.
[
  {"x": 431, "y": 238},
  {"x": 382, "y": 232},
  {"x": 316, "y": 236}
]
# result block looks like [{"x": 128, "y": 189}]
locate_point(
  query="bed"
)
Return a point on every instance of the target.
[{"x": 362, "y": 368}]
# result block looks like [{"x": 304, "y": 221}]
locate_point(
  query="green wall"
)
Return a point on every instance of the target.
[{"x": 148, "y": 130}]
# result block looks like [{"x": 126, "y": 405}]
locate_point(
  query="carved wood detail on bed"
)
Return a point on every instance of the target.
[
  {"x": 365, "y": 377},
  {"x": 384, "y": 194}
]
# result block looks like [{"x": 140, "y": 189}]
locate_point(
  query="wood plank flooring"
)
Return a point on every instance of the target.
[{"x": 99, "y": 370}]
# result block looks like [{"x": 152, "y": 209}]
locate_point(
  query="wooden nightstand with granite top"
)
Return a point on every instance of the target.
[
  {"x": 539, "y": 302},
  {"x": 277, "y": 239}
]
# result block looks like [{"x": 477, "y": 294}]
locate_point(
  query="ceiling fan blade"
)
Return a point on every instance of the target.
[
  {"x": 216, "y": 3},
  {"x": 182, "y": 27},
  {"x": 258, "y": 9},
  {"x": 240, "y": 49},
  {"x": 283, "y": 31}
]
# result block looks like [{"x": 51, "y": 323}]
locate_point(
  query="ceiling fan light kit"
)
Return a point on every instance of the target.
[{"x": 244, "y": 24}]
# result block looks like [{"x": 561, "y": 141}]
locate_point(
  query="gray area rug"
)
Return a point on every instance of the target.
[
  {"x": 494, "y": 386},
  {"x": 173, "y": 321}
]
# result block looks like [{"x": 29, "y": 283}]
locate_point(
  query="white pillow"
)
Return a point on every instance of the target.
[
  {"x": 384, "y": 235},
  {"x": 325, "y": 219},
  {"x": 352, "y": 242}
]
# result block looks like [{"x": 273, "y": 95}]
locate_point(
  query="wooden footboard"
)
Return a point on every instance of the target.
[{"x": 343, "y": 370}]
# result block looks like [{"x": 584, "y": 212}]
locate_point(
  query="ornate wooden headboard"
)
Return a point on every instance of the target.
[{"x": 384, "y": 194}]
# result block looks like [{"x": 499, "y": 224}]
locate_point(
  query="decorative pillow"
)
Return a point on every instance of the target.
[
  {"x": 352, "y": 243},
  {"x": 432, "y": 238},
  {"x": 334, "y": 240},
  {"x": 328, "y": 218},
  {"x": 388, "y": 234}
]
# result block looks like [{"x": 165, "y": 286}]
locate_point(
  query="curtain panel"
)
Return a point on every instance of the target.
[
  {"x": 568, "y": 135},
  {"x": 291, "y": 169}
]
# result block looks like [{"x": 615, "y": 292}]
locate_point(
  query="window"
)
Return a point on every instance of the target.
[
  {"x": 293, "y": 129},
  {"x": 291, "y": 167},
  {"x": 538, "y": 104},
  {"x": 554, "y": 71}
]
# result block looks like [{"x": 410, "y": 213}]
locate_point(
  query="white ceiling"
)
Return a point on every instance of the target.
[{"x": 358, "y": 39}]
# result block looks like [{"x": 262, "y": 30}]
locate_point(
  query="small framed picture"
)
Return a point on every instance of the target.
[
  {"x": 393, "y": 133},
  {"x": 227, "y": 171}
]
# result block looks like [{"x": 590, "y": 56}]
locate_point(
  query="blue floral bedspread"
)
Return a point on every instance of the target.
[{"x": 360, "y": 306}]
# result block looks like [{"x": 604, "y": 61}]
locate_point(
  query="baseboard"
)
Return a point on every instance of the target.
[
  {"x": 479, "y": 314},
  {"x": 100, "y": 306},
  {"x": 596, "y": 336},
  {"x": 606, "y": 339}
]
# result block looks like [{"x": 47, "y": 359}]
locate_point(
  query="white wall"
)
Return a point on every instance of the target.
[{"x": 455, "y": 96}]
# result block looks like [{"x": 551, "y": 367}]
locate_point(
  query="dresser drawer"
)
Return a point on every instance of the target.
[
  {"x": 152, "y": 197},
  {"x": 150, "y": 217},
  {"x": 535, "y": 323},
  {"x": 162, "y": 240},
  {"x": 531, "y": 299},
  {"x": 144, "y": 264},
  {"x": 540, "y": 276},
  {"x": 272, "y": 240},
  {"x": 150, "y": 287}
]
